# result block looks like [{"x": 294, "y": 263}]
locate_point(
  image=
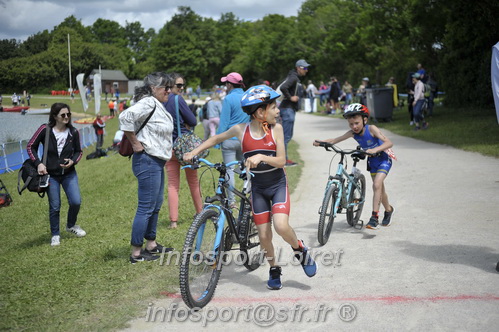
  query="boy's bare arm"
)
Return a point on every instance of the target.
[{"x": 378, "y": 134}]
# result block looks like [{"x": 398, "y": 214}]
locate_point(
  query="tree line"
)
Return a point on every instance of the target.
[{"x": 349, "y": 39}]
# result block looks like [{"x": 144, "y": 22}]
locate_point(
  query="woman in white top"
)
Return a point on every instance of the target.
[
  {"x": 418, "y": 103},
  {"x": 152, "y": 148}
]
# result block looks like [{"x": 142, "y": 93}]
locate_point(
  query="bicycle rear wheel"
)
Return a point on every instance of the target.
[
  {"x": 326, "y": 215},
  {"x": 250, "y": 254},
  {"x": 201, "y": 266},
  {"x": 356, "y": 200}
]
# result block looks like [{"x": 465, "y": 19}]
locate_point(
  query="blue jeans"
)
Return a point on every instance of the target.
[
  {"x": 70, "y": 185},
  {"x": 149, "y": 172},
  {"x": 231, "y": 150},
  {"x": 288, "y": 121},
  {"x": 418, "y": 111}
]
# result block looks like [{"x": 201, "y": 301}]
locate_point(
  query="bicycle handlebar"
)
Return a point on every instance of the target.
[
  {"x": 329, "y": 146},
  {"x": 195, "y": 164}
]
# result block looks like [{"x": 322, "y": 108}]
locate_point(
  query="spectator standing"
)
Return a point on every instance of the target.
[
  {"x": 187, "y": 121},
  {"x": 99, "y": 131},
  {"x": 418, "y": 102},
  {"x": 214, "y": 109},
  {"x": 348, "y": 89},
  {"x": 334, "y": 95},
  {"x": 198, "y": 91},
  {"x": 63, "y": 153},
  {"x": 289, "y": 104},
  {"x": 111, "y": 107},
  {"x": 311, "y": 93},
  {"x": 15, "y": 99},
  {"x": 152, "y": 147},
  {"x": 28, "y": 98},
  {"x": 422, "y": 73},
  {"x": 232, "y": 114},
  {"x": 361, "y": 92},
  {"x": 323, "y": 93},
  {"x": 203, "y": 117}
]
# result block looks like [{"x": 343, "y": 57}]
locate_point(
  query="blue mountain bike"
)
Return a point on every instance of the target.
[
  {"x": 213, "y": 234},
  {"x": 344, "y": 191}
]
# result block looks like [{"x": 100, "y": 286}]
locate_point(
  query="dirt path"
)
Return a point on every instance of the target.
[{"x": 433, "y": 269}]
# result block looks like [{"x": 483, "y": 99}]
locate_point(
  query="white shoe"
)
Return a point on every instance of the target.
[
  {"x": 56, "y": 240},
  {"x": 411, "y": 123},
  {"x": 77, "y": 230}
]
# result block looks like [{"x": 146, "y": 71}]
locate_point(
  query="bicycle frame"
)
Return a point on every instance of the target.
[
  {"x": 223, "y": 208},
  {"x": 340, "y": 177}
]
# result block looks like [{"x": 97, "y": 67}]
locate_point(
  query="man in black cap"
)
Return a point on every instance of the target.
[{"x": 289, "y": 104}]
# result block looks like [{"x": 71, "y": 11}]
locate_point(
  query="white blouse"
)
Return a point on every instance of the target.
[{"x": 156, "y": 136}]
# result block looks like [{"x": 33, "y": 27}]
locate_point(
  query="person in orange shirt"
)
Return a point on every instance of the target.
[{"x": 111, "y": 107}]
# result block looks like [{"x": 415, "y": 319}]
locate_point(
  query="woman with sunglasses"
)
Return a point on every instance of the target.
[
  {"x": 63, "y": 153},
  {"x": 187, "y": 121},
  {"x": 152, "y": 148}
]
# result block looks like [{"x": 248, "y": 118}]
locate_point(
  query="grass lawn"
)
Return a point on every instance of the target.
[{"x": 88, "y": 284}]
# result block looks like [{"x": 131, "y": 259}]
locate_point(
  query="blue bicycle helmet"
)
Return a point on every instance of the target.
[{"x": 257, "y": 96}]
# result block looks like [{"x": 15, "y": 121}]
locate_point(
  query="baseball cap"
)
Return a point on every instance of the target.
[
  {"x": 416, "y": 75},
  {"x": 233, "y": 77},
  {"x": 302, "y": 63},
  {"x": 366, "y": 79}
]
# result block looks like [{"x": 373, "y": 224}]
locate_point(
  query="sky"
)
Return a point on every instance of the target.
[{"x": 20, "y": 19}]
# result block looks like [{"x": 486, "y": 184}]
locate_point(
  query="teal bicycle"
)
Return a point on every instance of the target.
[
  {"x": 213, "y": 234},
  {"x": 344, "y": 191}
]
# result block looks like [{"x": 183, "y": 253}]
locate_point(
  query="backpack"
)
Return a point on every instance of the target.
[{"x": 427, "y": 90}]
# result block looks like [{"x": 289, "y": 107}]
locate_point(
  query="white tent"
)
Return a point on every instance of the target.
[{"x": 494, "y": 73}]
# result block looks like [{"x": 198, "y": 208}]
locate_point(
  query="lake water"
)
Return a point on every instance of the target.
[{"x": 15, "y": 126}]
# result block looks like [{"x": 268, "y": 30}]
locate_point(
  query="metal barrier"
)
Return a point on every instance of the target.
[{"x": 13, "y": 154}]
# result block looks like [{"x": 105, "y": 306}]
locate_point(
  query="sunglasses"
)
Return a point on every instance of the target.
[
  {"x": 179, "y": 85},
  {"x": 65, "y": 115},
  {"x": 304, "y": 68}
]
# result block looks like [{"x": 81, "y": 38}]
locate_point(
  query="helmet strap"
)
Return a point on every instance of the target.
[{"x": 264, "y": 123}]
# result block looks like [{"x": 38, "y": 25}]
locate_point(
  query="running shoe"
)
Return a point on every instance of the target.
[
  {"x": 307, "y": 263},
  {"x": 387, "y": 219},
  {"x": 274, "y": 282},
  {"x": 373, "y": 223},
  {"x": 76, "y": 230}
]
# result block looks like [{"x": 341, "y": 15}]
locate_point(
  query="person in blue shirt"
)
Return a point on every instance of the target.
[
  {"x": 232, "y": 114},
  {"x": 372, "y": 141}
]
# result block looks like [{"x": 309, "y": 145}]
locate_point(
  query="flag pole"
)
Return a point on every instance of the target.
[{"x": 69, "y": 56}]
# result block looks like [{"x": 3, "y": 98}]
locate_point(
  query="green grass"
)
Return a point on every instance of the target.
[
  {"x": 87, "y": 284},
  {"x": 469, "y": 129}
]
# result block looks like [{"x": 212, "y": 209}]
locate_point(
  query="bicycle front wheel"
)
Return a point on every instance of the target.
[
  {"x": 326, "y": 215},
  {"x": 201, "y": 260},
  {"x": 356, "y": 199},
  {"x": 250, "y": 254}
]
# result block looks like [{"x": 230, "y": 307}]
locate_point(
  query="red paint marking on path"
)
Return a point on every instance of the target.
[{"x": 384, "y": 299}]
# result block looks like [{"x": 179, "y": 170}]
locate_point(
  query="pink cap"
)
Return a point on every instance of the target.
[{"x": 234, "y": 77}]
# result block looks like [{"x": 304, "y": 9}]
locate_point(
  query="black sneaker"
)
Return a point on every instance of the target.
[
  {"x": 274, "y": 282},
  {"x": 143, "y": 257},
  {"x": 158, "y": 249},
  {"x": 387, "y": 220},
  {"x": 373, "y": 223}
]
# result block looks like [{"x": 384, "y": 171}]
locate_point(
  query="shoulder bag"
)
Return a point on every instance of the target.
[
  {"x": 126, "y": 149},
  {"x": 185, "y": 142},
  {"x": 28, "y": 173}
]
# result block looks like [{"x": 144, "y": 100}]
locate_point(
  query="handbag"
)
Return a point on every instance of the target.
[
  {"x": 126, "y": 149},
  {"x": 28, "y": 173},
  {"x": 185, "y": 142}
]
